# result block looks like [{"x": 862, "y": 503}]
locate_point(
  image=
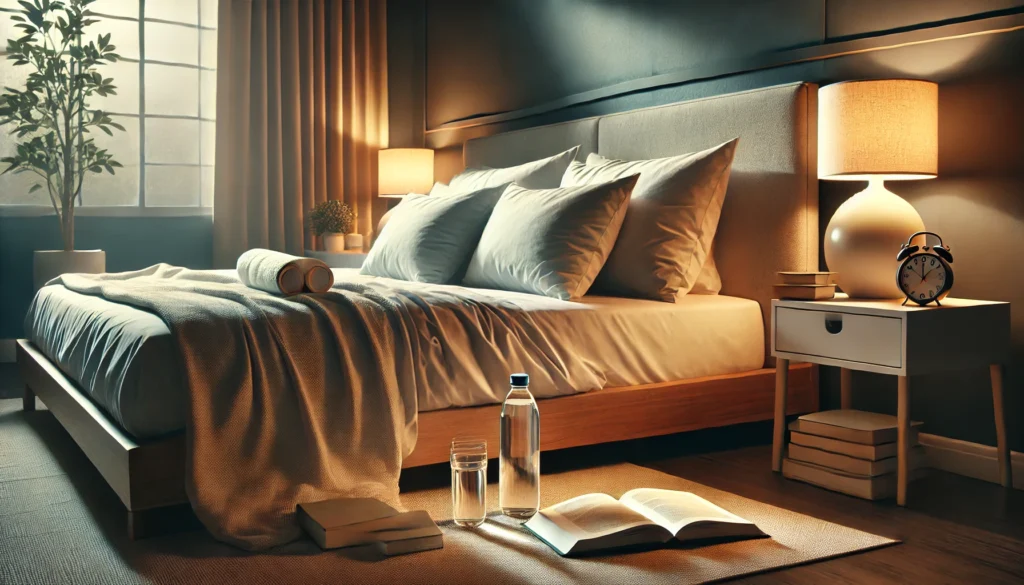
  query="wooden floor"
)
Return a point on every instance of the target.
[{"x": 955, "y": 529}]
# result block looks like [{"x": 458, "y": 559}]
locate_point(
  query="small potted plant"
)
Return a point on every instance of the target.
[
  {"x": 333, "y": 220},
  {"x": 51, "y": 118}
]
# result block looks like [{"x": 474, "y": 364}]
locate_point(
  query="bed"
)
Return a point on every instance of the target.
[{"x": 101, "y": 368}]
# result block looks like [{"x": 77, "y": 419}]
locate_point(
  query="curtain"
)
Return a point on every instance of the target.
[{"x": 301, "y": 113}]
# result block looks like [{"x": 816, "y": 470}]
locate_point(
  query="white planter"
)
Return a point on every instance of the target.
[
  {"x": 354, "y": 242},
  {"x": 49, "y": 264},
  {"x": 334, "y": 242}
]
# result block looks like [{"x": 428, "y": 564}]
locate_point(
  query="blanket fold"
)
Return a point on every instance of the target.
[
  {"x": 311, "y": 397},
  {"x": 279, "y": 273}
]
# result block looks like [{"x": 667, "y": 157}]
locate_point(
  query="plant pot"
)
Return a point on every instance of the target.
[
  {"x": 334, "y": 243},
  {"x": 49, "y": 264},
  {"x": 354, "y": 242}
]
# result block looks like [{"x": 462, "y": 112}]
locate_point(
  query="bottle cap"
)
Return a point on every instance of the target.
[{"x": 520, "y": 379}]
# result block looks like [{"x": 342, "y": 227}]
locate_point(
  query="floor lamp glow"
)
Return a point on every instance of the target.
[{"x": 875, "y": 131}]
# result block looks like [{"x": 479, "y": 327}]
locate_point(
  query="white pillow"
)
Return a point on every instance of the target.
[
  {"x": 550, "y": 242},
  {"x": 429, "y": 238},
  {"x": 673, "y": 215},
  {"x": 545, "y": 173}
]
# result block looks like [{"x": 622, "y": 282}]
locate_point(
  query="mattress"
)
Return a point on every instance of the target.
[{"x": 125, "y": 359}]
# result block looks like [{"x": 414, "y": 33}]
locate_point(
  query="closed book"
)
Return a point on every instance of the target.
[
  {"x": 805, "y": 292},
  {"x": 869, "y": 452},
  {"x": 851, "y": 464},
  {"x": 334, "y": 523},
  {"x": 854, "y": 426},
  {"x": 868, "y": 488},
  {"x": 819, "y": 278},
  {"x": 404, "y": 533},
  {"x": 346, "y": 522}
]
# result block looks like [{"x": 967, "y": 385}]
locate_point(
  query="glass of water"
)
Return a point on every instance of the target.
[{"x": 469, "y": 481}]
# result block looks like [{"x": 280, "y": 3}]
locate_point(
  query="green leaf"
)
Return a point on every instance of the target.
[
  {"x": 35, "y": 188},
  {"x": 107, "y": 130}
]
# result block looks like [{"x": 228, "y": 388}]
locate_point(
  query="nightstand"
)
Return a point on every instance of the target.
[
  {"x": 346, "y": 259},
  {"x": 886, "y": 337}
]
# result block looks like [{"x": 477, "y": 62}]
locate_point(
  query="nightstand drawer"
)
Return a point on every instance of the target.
[{"x": 867, "y": 339}]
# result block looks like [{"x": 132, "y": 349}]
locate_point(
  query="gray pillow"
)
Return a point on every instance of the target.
[
  {"x": 673, "y": 216},
  {"x": 545, "y": 173},
  {"x": 429, "y": 238},
  {"x": 550, "y": 242}
]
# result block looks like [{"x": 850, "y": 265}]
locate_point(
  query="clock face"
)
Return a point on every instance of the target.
[{"x": 924, "y": 277}]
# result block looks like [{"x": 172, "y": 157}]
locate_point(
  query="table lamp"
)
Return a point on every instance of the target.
[
  {"x": 401, "y": 171},
  {"x": 875, "y": 131}
]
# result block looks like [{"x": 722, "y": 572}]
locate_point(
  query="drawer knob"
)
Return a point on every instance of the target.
[{"x": 833, "y": 323}]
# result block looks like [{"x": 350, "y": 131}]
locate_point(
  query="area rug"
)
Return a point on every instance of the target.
[{"x": 60, "y": 523}]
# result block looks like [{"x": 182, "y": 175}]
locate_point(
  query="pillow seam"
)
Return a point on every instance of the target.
[
  {"x": 593, "y": 254},
  {"x": 703, "y": 218}
]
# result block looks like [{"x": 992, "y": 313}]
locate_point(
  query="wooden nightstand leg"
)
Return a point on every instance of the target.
[
  {"x": 903, "y": 428},
  {"x": 781, "y": 389},
  {"x": 845, "y": 388},
  {"x": 1003, "y": 449}
]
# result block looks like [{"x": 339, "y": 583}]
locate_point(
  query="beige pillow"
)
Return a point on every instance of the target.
[
  {"x": 545, "y": 173},
  {"x": 671, "y": 223},
  {"x": 550, "y": 242},
  {"x": 709, "y": 281}
]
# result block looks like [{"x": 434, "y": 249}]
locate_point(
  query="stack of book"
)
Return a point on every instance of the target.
[
  {"x": 344, "y": 522},
  {"x": 806, "y": 286},
  {"x": 848, "y": 451}
]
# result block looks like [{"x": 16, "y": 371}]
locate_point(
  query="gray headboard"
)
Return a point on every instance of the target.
[{"x": 770, "y": 219}]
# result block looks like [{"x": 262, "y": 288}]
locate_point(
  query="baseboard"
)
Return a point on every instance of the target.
[
  {"x": 7, "y": 351},
  {"x": 970, "y": 459}
]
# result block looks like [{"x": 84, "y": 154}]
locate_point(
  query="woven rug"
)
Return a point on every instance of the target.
[{"x": 60, "y": 523}]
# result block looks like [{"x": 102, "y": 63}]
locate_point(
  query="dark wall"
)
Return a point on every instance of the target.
[
  {"x": 481, "y": 58},
  {"x": 130, "y": 243}
]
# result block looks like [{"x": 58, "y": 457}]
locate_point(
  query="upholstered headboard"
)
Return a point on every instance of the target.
[{"x": 770, "y": 219}]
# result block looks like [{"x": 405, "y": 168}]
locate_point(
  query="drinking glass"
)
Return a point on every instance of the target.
[{"x": 469, "y": 481}]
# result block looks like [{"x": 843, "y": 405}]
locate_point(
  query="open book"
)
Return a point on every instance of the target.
[{"x": 595, "y": 522}]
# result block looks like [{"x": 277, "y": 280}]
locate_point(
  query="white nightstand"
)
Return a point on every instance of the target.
[
  {"x": 346, "y": 259},
  {"x": 885, "y": 337}
]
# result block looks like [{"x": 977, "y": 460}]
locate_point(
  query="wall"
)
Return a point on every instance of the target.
[
  {"x": 130, "y": 243},
  {"x": 534, "y": 63}
]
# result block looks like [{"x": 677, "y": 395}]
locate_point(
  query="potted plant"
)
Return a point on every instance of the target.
[
  {"x": 51, "y": 119},
  {"x": 332, "y": 220}
]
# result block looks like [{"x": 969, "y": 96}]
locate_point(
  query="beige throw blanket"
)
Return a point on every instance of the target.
[{"x": 291, "y": 399}]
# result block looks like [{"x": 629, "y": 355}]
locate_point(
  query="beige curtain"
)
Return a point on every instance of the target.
[{"x": 301, "y": 113}]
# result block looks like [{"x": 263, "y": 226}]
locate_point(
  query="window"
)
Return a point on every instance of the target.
[{"x": 166, "y": 100}]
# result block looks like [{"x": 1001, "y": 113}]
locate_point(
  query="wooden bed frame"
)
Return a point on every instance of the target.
[{"x": 149, "y": 476}]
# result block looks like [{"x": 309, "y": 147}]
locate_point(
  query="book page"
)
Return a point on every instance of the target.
[
  {"x": 674, "y": 510},
  {"x": 593, "y": 516}
]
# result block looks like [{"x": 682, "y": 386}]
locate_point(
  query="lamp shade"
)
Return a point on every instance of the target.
[
  {"x": 886, "y": 129},
  {"x": 401, "y": 171}
]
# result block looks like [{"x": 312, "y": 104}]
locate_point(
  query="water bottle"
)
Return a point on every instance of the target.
[{"x": 519, "y": 453}]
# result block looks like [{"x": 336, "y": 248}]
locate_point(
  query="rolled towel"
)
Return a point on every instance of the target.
[
  {"x": 319, "y": 277},
  {"x": 279, "y": 273}
]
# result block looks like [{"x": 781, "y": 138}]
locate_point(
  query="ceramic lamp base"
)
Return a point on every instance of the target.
[{"x": 863, "y": 238}]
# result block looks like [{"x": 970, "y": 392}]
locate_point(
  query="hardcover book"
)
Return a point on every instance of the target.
[
  {"x": 849, "y": 464},
  {"x": 868, "y": 488},
  {"x": 869, "y": 452},
  {"x": 854, "y": 426},
  {"x": 596, "y": 522},
  {"x": 805, "y": 292},
  {"x": 345, "y": 522}
]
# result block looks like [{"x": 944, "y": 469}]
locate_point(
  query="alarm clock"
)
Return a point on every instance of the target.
[{"x": 925, "y": 274}]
